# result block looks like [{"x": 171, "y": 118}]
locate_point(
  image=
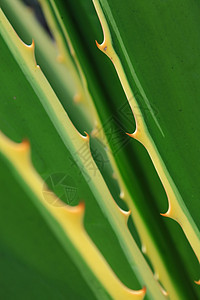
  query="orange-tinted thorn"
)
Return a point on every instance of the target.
[
  {"x": 32, "y": 45},
  {"x": 165, "y": 215},
  {"x": 141, "y": 292},
  {"x": 98, "y": 45},
  {"x": 80, "y": 207},
  {"x": 168, "y": 214},
  {"x": 87, "y": 137},
  {"x": 103, "y": 47},
  {"x": 25, "y": 143},
  {"x": 24, "y": 146},
  {"x": 130, "y": 134}
]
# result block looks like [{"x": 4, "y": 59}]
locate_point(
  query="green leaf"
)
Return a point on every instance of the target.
[
  {"x": 149, "y": 131},
  {"x": 28, "y": 119},
  {"x": 157, "y": 259},
  {"x": 74, "y": 141},
  {"x": 138, "y": 183}
]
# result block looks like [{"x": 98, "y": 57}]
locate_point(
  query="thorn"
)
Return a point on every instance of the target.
[
  {"x": 87, "y": 137},
  {"x": 125, "y": 214},
  {"x": 23, "y": 147},
  {"x": 77, "y": 212},
  {"x": 98, "y": 45},
  {"x": 25, "y": 144},
  {"x": 168, "y": 214},
  {"x": 165, "y": 214},
  {"x": 134, "y": 135},
  {"x": 103, "y": 47},
  {"x": 32, "y": 44},
  {"x": 80, "y": 208},
  {"x": 130, "y": 134},
  {"x": 31, "y": 48},
  {"x": 141, "y": 292}
]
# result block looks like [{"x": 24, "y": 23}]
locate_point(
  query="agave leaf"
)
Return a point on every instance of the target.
[
  {"x": 153, "y": 252},
  {"x": 48, "y": 57},
  {"x": 24, "y": 111},
  {"x": 27, "y": 119},
  {"x": 74, "y": 141},
  {"x": 33, "y": 262},
  {"x": 70, "y": 220},
  {"x": 153, "y": 234},
  {"x": 145, "y": 132},
  {"x": 54, "y": 20}
]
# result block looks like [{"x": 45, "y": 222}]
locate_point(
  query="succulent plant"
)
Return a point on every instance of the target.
[{"x": 99, "y": 162}]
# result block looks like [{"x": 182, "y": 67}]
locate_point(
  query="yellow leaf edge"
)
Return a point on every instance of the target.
[
  {"x": 177, "y": 209},
  {"x": 148, "y": 247},
  {"x": 69, "y": 218},
  {"x": 74, "y": 141}
]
